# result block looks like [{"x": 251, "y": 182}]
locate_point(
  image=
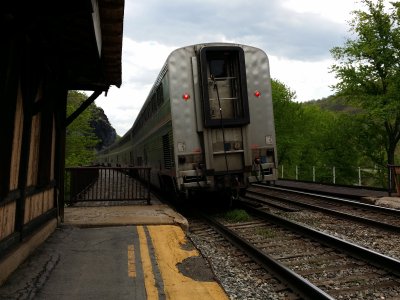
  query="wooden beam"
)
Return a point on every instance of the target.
[{"x": 83, "y": 106}]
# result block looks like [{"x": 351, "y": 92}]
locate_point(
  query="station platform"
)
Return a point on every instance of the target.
[{"x": 116, "y": 252}]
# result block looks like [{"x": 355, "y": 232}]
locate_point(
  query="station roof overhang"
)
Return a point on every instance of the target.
[{"x": 83, "y": 38}]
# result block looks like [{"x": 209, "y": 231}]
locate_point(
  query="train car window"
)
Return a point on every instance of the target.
[
  {"x": 218, "y": 68},
  {"x": 153, "y": 104},
  {"x": 224, "y": 86},
  {"x": 160, "y": 95},
  {"x": 167, "y": 151}
]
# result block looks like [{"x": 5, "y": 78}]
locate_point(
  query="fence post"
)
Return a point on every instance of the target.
[
  {"x": 390, "y": 180},
  {"x": 313, "y": 173},
  {"x": 359, "y": 176},
  {"x": 334, "y": 175},
  {"x": 297, "y": 173},
  {"x": 282, "y": 172}
]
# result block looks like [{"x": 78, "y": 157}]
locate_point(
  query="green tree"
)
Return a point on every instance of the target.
[
  {"x": 287, "y": 117},
  {"x": 80, "y": 138},
  {"x": 368, "y": 70},
  {"x": 309, "y": 136}
]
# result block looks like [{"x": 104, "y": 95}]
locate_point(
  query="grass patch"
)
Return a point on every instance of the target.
[
  {"x": 266, "y": 232},
  {"x": 236, "y": 215}
]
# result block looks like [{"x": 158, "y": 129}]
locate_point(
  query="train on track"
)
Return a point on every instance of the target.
[{"x": 207, "y": 123}]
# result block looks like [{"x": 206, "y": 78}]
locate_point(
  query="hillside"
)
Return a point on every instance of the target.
[
  {"x": 335, "y": 104},
  {"x": 90, "y": 132}
]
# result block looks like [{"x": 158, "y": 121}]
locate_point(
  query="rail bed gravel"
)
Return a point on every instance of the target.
[
  {"x": 382, "y": 241},
  {"x": 239, "y": 280}
]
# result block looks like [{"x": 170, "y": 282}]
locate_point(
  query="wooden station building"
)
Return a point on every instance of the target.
[{"x": 47, "y": 48}]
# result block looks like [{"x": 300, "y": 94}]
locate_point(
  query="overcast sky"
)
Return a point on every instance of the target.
[{"x": 296, "y": 35}]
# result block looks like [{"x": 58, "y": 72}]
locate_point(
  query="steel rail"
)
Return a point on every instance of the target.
[
  {"x": 381, "y": 209},
  {"x": 363, "y": 220},
  {"x": 372, "y": 257},
  {"x": 294, "y": 281}
]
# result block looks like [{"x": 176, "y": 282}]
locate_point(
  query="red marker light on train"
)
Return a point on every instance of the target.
[
  {"x": 257, "y": 94},
  {"x": 186, "y": 96}
]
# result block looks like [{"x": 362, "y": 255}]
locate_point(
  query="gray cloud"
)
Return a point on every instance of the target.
[
  {"x": 274, "y": 28},
  {"x": 298, "y": 44}
]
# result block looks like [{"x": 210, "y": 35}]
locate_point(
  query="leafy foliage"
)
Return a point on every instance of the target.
[
  {"x": 360, "y": 125},
  {"x": 319, "y": 135},
  {"x": 80, "y": 138},
  {"x": 368, "y": 69},
  {"x": 288, "y": 122}
]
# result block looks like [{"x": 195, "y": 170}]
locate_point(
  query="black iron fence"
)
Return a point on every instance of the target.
[{"x": 107, "y": 184}]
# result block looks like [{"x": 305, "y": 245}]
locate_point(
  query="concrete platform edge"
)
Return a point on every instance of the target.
[{"x": 123, "y": 216}]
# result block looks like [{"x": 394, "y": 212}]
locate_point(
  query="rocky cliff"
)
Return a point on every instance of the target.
[{"x": 102, "y": 128}]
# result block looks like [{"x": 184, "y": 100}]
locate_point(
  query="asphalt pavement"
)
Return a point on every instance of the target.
[{"x": 119, "y": 252}]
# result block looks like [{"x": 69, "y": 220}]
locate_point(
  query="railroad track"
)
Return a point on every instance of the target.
[
  {"x": 372, "y": 237},
  {"x": 236, "y": 270},
  {"x": 372, "y": 215},
  {"x": 313, "y": 264}
]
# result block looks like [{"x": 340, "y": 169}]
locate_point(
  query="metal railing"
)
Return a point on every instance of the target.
[
  {"x": 107, "y": 184},
  {"x": 374, "y": 177}
]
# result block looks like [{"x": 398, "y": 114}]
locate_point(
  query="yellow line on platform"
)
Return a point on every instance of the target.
[
  {"x": 149, "y": 281},
  {"x": 168, "y": 241},
  {"x": 131, "y": 261}
]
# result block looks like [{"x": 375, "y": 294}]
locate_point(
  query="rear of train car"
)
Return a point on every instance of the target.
[{"x": 207, "y": 124}]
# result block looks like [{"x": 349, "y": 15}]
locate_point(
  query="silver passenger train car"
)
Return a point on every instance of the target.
[{"x": 207, "y": 123}]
